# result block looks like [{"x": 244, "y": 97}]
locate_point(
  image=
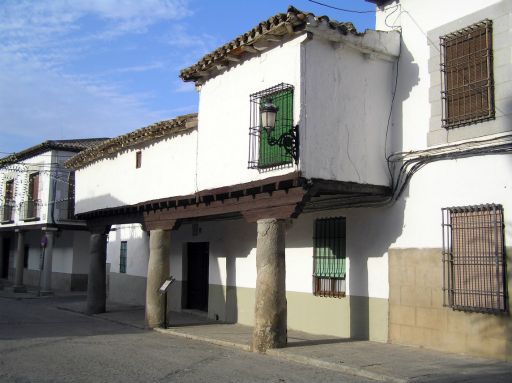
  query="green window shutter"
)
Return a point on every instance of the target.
[
  {"x": 122, "y": 256},
  {"x": 274, "y": 155},
  {"x": 330, "y": 248}
]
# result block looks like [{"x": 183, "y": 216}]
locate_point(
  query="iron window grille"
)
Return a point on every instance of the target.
[
  {"x": 329, "y": 257},
  {"x": 122, "y": 256},
  {"x": 6, "y": 212},
  {"x": 474, "y": 267},
  {"x": 262, "y": 155},
  {"x": 467, "y": 87},
  {"x": 30, "y": 210},
  {"x": 66, "y": 212}
]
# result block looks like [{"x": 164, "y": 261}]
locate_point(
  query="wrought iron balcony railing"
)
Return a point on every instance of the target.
[
  {"x": 65, "y": 210},
  {"x": 30, "y": 210},
  {"x": 6, "y": 212}
]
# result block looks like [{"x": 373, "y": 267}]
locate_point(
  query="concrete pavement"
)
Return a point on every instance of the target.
[{"x": 370, "y": 360}]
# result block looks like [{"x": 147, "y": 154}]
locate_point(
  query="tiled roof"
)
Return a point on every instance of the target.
[
  {"x": 158, "y": 130},
  {"x": 74, "y": 145},
  {"x": 263, "y": 36}
]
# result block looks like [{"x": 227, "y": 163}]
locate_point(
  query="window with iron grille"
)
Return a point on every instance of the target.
[
  {"x": 261, "y": 154},
  {"x": 467, "y": 75},
  {"x": 329, "y": 247},
  {"x": 474, "y": 268},
  {"x": 122, "y": 256},
  {"x": 7, "y": 208}
]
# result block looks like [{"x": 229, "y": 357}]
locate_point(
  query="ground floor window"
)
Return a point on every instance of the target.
[
  {"x": 474, "y": 258},
  {"x": 329, "y": 255},
  {"x": 122, "y": 256}
]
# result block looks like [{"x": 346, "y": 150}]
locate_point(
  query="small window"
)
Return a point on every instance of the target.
[
  {"x": 138, "y": 159},
  {"x": 467, "y": 75},
  {"x": 474, "y": 266},
  {"x": 329, "y": 257},
  {"x": 122, "y": 256},
  {"x": 263, "y": 155}
]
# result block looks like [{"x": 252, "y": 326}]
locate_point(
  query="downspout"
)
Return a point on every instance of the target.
[{"x": 52, "y": 212}]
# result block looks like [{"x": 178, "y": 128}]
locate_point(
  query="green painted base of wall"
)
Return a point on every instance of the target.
[
  {"x": 418, "y": 317},
  {"x": 350, "y": 317}
]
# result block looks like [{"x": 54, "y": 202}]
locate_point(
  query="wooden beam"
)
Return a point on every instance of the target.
[
  {"x": 232, "y": 205},
  {"x": 278, "y": 212}
]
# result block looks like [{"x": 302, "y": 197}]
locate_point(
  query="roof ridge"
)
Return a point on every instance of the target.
[{"x": 274, "y": 29}]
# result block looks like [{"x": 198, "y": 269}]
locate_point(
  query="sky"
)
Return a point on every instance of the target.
[{"x": 101, "y": 68}]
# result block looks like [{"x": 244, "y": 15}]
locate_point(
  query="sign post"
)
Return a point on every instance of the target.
[
  {"x": 44, "y": 243},
  {"x": 163, "y": 291}
]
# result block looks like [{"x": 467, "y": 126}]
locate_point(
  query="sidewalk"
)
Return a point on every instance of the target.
[{"x": 371, "y": 360}]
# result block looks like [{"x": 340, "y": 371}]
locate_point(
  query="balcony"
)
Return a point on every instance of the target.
[
  {"x": 30, "y": 210},
  {"x": 65, "y": 210},
  {"x": 6, "y": 212}
]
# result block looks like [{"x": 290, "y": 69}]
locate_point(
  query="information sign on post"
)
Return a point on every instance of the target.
[
  {"x": 163, "y": 291},
  {"x": 166, "y": 284}
]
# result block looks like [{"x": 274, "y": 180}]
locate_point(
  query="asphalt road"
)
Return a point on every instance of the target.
[{"x": 40, "y": 343}]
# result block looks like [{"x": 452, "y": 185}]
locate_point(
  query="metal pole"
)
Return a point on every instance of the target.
[
  {"x": 165, "y": 310},
  {"x": 41, "y": 267}
]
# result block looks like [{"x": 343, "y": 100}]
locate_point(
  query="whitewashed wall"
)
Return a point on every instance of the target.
[
  {"x": 224, "y": 112},
  {"x": 347, "y": 103},
  {"x": 137, "y": 249},
  {"x": 233, "y": 251},
  {"x": 168, "y": 169},
  {"x": 469, "y": 181}
]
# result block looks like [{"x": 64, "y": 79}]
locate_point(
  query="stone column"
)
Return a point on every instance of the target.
[
  {"x": 19, "y": 287},
  {"x": 270, "y": 310},
  {"x": 46, "y": 285},
  {"x": 158, "y": 272},
  {"x": 96, "y": 283}
]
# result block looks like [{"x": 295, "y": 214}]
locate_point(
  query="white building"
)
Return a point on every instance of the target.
[
  {"x": 361, "y": 235},
  {"x": 453, "y": 116},
  {"x": 37, "y": 218}
]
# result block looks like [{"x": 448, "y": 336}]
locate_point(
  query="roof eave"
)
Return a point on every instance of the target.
[{"x": 115, "y": 145}]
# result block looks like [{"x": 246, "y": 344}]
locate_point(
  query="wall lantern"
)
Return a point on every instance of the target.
[{"x": 287, "y": 140}]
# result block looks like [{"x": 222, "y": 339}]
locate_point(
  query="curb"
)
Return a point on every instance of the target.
[
  {"x": 276, "y": 353},
  {"x": 218, "y": 342},
  {"x": 98, "y": 316},
  {"x": 334, "y": 366}
]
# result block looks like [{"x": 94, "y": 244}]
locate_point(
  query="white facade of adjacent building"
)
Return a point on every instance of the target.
[{"x": 37, "y": 200}]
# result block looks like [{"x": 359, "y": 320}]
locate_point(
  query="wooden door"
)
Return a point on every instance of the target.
[{"x": 197, "y": 283}]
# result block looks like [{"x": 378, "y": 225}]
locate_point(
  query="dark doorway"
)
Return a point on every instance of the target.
[
  {"x": 197, "y": 276},
  {"x": 6, "y": 246}
]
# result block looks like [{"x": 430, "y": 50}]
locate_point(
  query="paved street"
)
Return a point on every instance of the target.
[{"x": 40, "y": 343}]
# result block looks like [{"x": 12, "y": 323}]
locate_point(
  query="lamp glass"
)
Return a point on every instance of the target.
[{"x": 268, "y": 116}]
